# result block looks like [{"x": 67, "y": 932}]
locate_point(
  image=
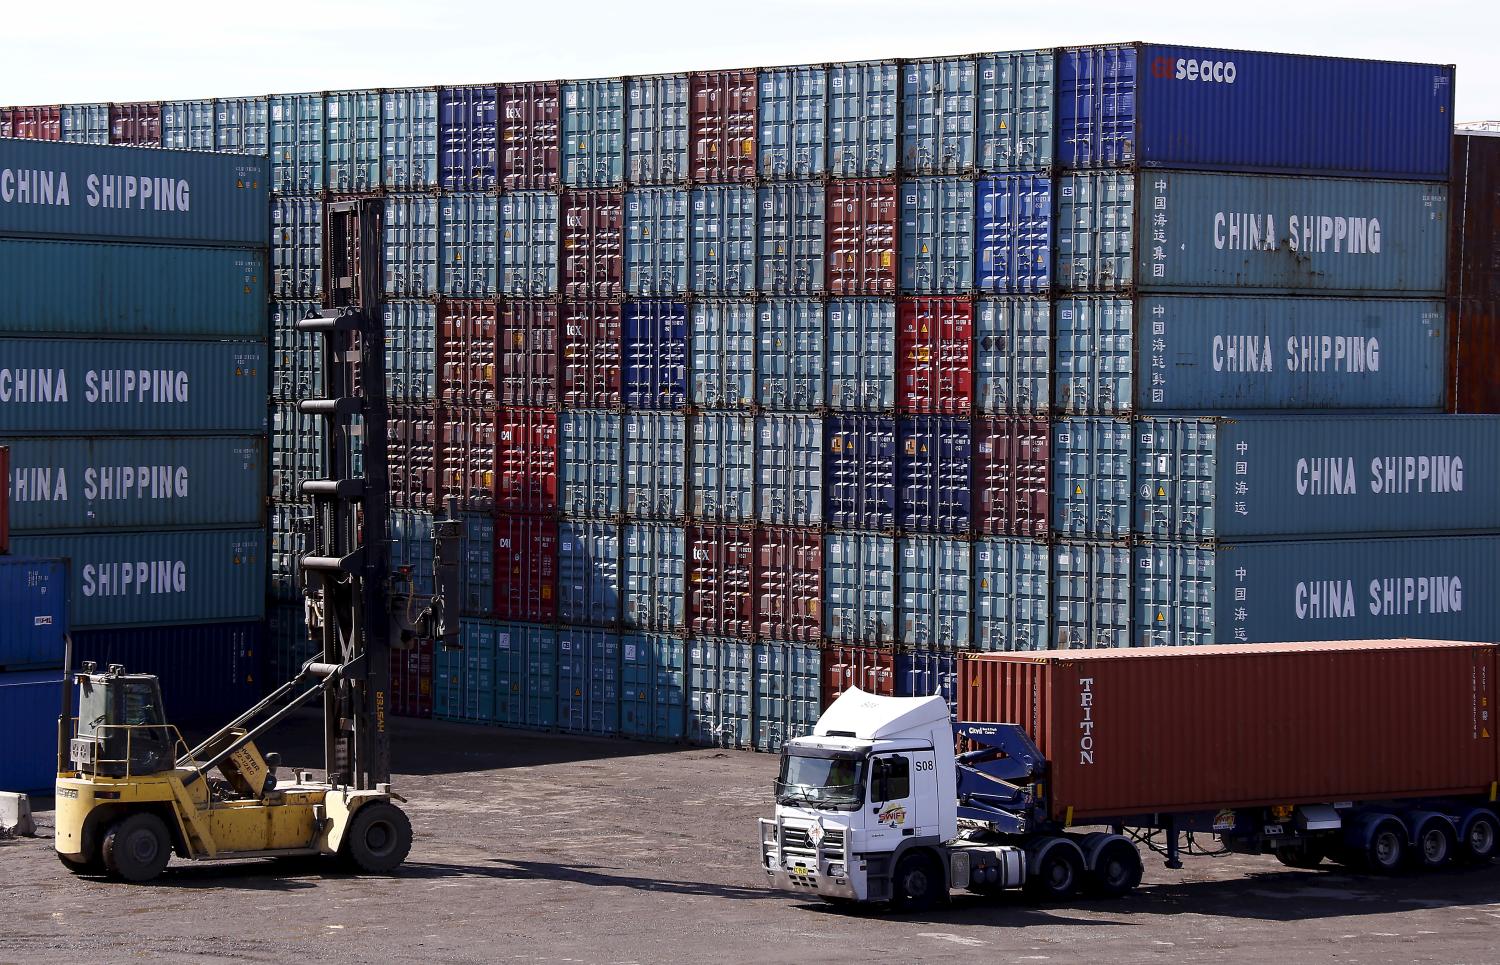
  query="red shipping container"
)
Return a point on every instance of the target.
[
  {"x": 525, "y": 568},
  {"x": 138, "y": 124},
  {"x": 1474, "y": 275},
  {"x": 411, "y": 676},
  {"x": 591, "y": 350},
  {"x": 935, "y": 353},
  {"x": 862, "y": 237},
  {"x": 789, "y": 584},
  {"x": 871, "y": 669},
  {"x": 720, "y": 581},
  {"x": 525, "y": 460},
  {"x": 1012, "y": 476},
  {"x": 37, "y": 123},
  {"x": 411, "y": 456},
  {"x": 526, "y": 373},
  {"x": 721, "y": 126},
  {"x": 1169, "y": 729},
  {"x": 7, "y": 122},
  {"x": 466, "y": 459},
  {"x": 4, "y": 500},
  {"x": 466, "y": 353},
  {"x": 529, "y": 124},
  {"x": 593, "y": 244}
]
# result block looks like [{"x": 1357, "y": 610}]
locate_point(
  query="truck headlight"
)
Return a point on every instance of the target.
[{"x": 836, "y": 870}]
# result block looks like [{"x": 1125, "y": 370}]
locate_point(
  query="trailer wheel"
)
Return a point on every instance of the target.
[
  {"x": 1436, "y": 844},
  {"x": 1058, "y": 874},
  {"x": 379, "y": 838},
  {"x": 1482, "y": 838},
  {"x": 1385, "y": 852},
  {"x": 137, "y": 848},
  {"x": 918, "y": 884},
  {"x": 1117, "y": 870},
  {"x": 1304, "y": 856}
]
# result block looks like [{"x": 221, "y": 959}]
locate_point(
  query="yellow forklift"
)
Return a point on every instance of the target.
[{"x": 131, "y": 793}]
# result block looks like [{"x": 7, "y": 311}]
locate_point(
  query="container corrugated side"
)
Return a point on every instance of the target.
[
  {"x": 33, "y": 612},
  {"x": 1162, "y": 106},
  {"x": 131, "y": 194},
  {"x": 1371, "y": 720},
  {"x": 133, "y": 482},
  {"x": 148, "y": 578},
  {"x": 30, "y": 703},
  {"x": 204, "y": 670},
  {"x": 65, "y": 288},
  {"x": 50, "y": 386}
]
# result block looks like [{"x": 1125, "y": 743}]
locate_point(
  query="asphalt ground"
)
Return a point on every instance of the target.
[{"x": 547, "y": 848}]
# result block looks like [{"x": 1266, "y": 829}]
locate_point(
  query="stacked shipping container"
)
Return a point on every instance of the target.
[{"x": 753, "y": 385}]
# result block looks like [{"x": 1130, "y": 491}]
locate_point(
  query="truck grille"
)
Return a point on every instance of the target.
[{"x": 797, "y": 843}]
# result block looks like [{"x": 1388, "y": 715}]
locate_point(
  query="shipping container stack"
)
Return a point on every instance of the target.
[{"x": 132, "y": 402}]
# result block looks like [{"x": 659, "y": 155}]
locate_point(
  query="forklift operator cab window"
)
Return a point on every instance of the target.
[{"x": 890, "y": 779}]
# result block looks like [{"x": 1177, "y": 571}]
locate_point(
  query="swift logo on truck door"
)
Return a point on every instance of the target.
[
  {"x": 1086, "y": 721},
  {"x": 1208, "y": 71}
]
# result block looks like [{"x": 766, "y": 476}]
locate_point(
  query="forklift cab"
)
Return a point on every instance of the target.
[{"x": 122, "y": 730}]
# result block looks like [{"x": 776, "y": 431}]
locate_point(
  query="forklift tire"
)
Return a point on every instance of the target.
[
  {"x": 378, "y": 839},
  {"x": 93, "y": 866},
  {"x": 918, "y": 884},
  {"x": 137, "y": 848},
  {"x": 1117, "y": 870}
]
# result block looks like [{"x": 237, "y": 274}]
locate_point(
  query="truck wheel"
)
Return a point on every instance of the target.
[
  {"x": 137, "y": 848},
  {"x": 1482, "y": 839},
  {"x": 1303, "y": 856},
  {"x": 918, "y": 884},
  {"x": 1058, "y": 875},
  {"x": 1435, "y": 846},
  {"x": 1385, "y": 852},
  {"x": 1116, "y": 872},
  {"x": 378, "y": 839}
]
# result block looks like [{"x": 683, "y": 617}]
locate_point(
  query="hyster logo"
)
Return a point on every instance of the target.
[
  {"x": 1086, "y": 722},
  {"x": 1208, "y": 71}
]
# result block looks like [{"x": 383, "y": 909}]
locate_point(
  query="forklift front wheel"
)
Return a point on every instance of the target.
[
  {"x": 137, "y": 847},
  {"x": 379, "y": 838},
  {"x": 92, "y": 866}
]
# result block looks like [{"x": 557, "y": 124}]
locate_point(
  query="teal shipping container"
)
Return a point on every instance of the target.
[
  {"x": 53, "y": 386},
  {"x": 53, "y": 190},
  {"x": 150, "y": 578},
  {"x": 1170, "y": 231},
  {"x": 84, "y": 289},
  {"x": 60, "y": 484},
  {"x": 651, "y": 686}
]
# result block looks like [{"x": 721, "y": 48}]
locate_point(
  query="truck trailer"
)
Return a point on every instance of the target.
[{"x": 1379, "y": 755}]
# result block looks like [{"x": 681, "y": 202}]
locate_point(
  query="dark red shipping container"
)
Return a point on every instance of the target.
[
  {"x": 527, "y": 354},
  {"x": 466, "y": 459},
  {"x": 525, "y": 568},
  {"x": 720, "y": 581},
  {"x": 593, "y": 244},
  {"x": 37, "y": 123},
  {"x": 1164, "y": 729},
  {"x": 529, "y": 144},
  {"x": 7, "y": 123},
  {"x": 1012, "y": 476},
  {"x": 935, "y": 355},
  {"x": 1474, "y": 275},
  {"x": 411, "y": 456},
  {"x": 721, "y": 126},
  {"x": 525, "y": 460},
  {"x": 871, "y": 669},
  {"x": 591, "y": 352},
  {"x": 789, "y": 584},
  {"x": 411, "y": 677},
  {"x": 466, "y": 353},
  {"x": 138, "y": 124},
  {"x": 862, "y": 237},
  {"x": 4, "y": 500}
]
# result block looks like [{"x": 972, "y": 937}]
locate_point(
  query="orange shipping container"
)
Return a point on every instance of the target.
[{"x": 1174, "y": 729}]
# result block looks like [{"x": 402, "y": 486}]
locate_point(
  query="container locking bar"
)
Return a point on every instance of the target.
[
  {"x": 350, "y": 489},
  {"x": 349, "y": 405}
]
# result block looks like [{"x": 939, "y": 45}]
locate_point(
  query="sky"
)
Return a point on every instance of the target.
[{"x": 90, "y": 50}]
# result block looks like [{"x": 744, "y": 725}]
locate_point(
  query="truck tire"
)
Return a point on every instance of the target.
[
  {"x": 918, "y": 884},
  {"x": 1385, "y": 852},
  {"x": 1436, "y": 845},
  {"x": 1481, "y": 838},
  {"x": 1304, "y": 856},
  {"x": 1058, "y": 874},
  {"x": 1117, "y": 870},
  {"x": 378, "y": 839},
  {"x": 137, "y": 848}
]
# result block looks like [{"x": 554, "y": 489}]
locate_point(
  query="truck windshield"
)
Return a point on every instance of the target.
[{"x": 835, "y": 782}]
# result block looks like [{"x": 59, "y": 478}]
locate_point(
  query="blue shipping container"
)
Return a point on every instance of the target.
[
  {"x": 789, "y": 470},
  {"x": 859, "y": 589},
  {"x": 50, "y": 386},
  {"x": 62, "y": 288},
  {"x": 588, "y": 572},
  {"x": 241, "y": 126},
  {"x": 593, "y": 124},
  {"x": 937, "y": 236},
  {"x": 793, "y": 105},
  {"x": 468, "y": 136},
  {"x": 722, "y": 457},
  {"x": 353, "y": 133},
  {"x": 84, "y": 123},
  {"x": 1208, "y": 353},
  {"x": 297, "y": 144},
  {"x": 925, "y": 673},
  {"x": 207, "y": 672},
  {"x": 30, "y": 704},
  {"x": 410, "y": 237},
  {"x": 153, "y": 579},
  {"x": 791, "y": 235},
  {"x": 934, "y": 577},
  {"x": 467, "y": 253},
  {"x": 1091, "y": 601},
  {"x": 588, "y": 463},
  {"x": 1091, "y": 477},
  {"x": 723, "y": 354},
  {"x": 1174, "y": 231},
  {"x": 655, "y": 465},
  {"x": 59, "y": 484},
  {"x": 1012, "y": 594},
  {"x": 723, "y": 219},
  {"x": 1162, "y": 106},
  {"x": 476, "y": 574},
  {"x": 588, "y": 681},
  {"x": 187, "y": 125},
  {"x": 528, "y": 244},
  {"x": 859, "y": 472},
  {"x": 933, "y": 474},
  {"x": 788, "y": 693},
  {"x": 656, "y": 242},
  {"x": 939, "y": 116},
  {"x": 658, "y": 124},
  {"x": 1012, "y": 356},
  {"x": 409, "y": 139},
  {"x": 297, "y": 248},
  {"x": 864, "y": 114},
  {"x": 114, "y": 193},
  {"x": 33, "y": 612},
  {"x": 654, "y": 564},
  {"x": 861, "y": 364},
  {"x": 655, "y": 355},
  {"x": 790, "y": 361},
  {"x": 525, "y": 675},
  {"x": 720, "y": 690},
  {"x": 411, "y": 352},
  {"x": 1013, "y": 235},
  {"x": 652, "y": 685},
  {"x": 1015, "y": 110}
]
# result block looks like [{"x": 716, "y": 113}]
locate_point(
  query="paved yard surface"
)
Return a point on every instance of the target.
[{"x": 534, "y": 847}]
